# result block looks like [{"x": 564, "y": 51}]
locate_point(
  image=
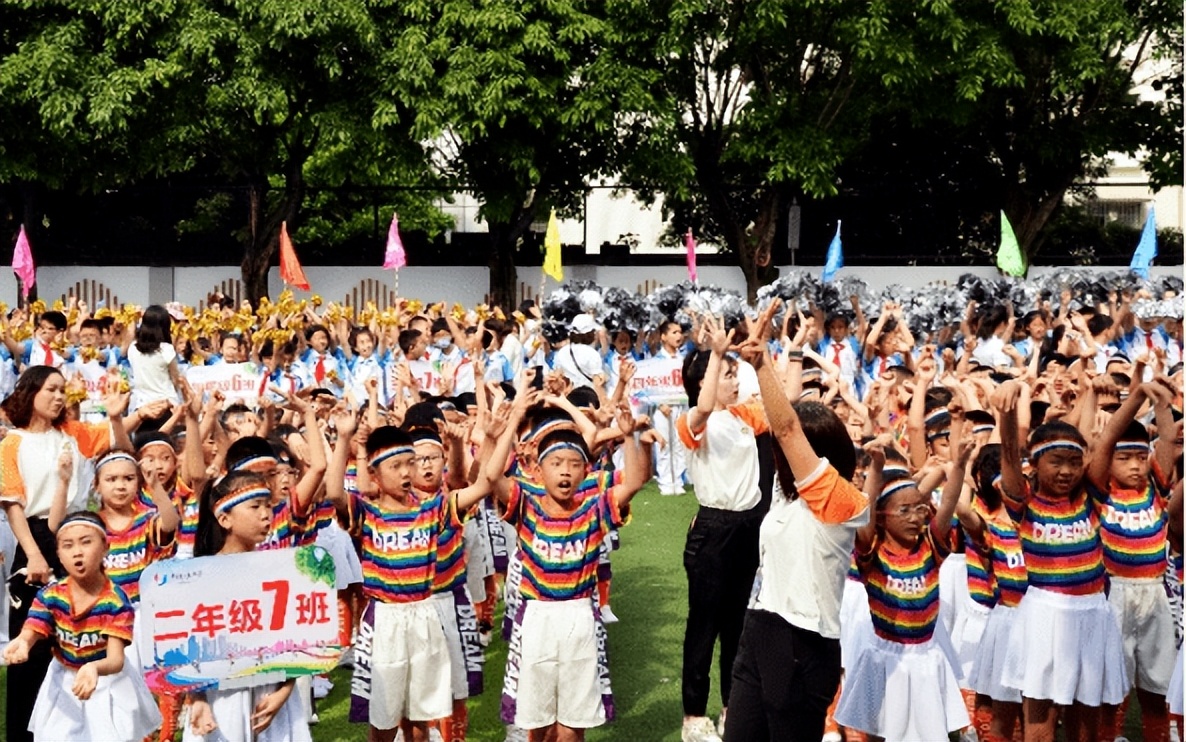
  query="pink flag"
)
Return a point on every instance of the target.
[
  {"x": 395, "y": 256},
  {"x": 690, "y": 241},
  {"x": 22, "y": 263}
]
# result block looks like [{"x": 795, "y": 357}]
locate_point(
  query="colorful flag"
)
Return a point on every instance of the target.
[
  {"x": 552, "y": 265},
  {"x": 835, "y": 259},
  {"x": 690, "y": 243},
  {"x": 1146, "y": 250},
  {"x": 1010, "y": 259},
  {"x": 395, "y": 257},
  {"x": 290, "y": 268},
  {"x": 22, "y": 263}
]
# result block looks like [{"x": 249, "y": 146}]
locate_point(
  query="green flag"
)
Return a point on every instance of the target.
[{"x": 1009, "y": 257}]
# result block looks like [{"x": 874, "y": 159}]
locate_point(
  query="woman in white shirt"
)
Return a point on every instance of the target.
[
  {"x": 155, "y": 374},
  {"x": 788, "y": 662},
  {"x": 35, "y": 457}
]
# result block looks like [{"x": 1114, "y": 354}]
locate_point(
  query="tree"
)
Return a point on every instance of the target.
[{"x": 514, "y": 101}]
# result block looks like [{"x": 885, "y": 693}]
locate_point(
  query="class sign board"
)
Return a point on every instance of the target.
[
  {"x": 657, "y": 381},
  {"x": 238, "y": 382},
  {"x": 239, "y": 620}
]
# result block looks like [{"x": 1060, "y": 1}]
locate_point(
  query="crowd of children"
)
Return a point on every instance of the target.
[{"x": 902, "y": 532}]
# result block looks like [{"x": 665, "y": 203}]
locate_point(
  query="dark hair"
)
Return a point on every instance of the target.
[
  {"x": 980, "y": 417},
  {"x": 991, "y": 318},
  {"x": 235, "y": 408},
  {"x": 937, "y": 397},
  {"x": 1031, "y": 316},
  {"x": 829, "y": 439},
  {"x": 694, "y": 368},
  {"x": 225, "y": 336},
  {"x": 665, "y": 324},
  {"x": 440, "y": 324},
  {"x": 19, "y": 405},
  {"x": 571, "y": 437},
  {"x": 464, "y": 400},
  {"x": 879, "y": 502},
  {"x": 386, "y": 436},
  {"x": 211, "y": 536},
  {"x": 356, "y": 333},
  {"x": 584, "y": 396},
  {"x": 91, "y": 323},
  {"x": 1054, "y": 431},
  {"x": 1098, "y": 324},
  {"x": 1135, "y": 432},
  {"x": 55, "y": 318},
  {"x": 155, "y": 329},
  {"x": 312, "y": 330},
  {"x": 833, "y": 316},
  {"x": 407, "y": 339},
  {"x": 423, "y": 415},
  {"x": 82, "y": 516},
  {"x": 249, "y": 446},
  {"x": 984, "y": 470}
]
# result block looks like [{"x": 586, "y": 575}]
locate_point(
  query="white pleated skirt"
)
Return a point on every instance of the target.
[
  {"x": 953, "y": 591},
  {"x": 1066, "y": 649},
  {"x": 988, "y": 665},
  {"x": 120, "y": 709},
  {"x": 856, "y": 622},
  {"x": 903, "y": 692},
  {"x": 966, "y": 636},
  {"x": 232, "y": 713}
]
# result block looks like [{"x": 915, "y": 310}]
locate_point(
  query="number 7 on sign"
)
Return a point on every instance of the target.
[{"x": 279, "y": 602}]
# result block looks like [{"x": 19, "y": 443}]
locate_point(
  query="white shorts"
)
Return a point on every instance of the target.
[
  {"x": 1067, "y": 649},
  {"x": 966, "y": 636},
  {"x": 988, "y": 664},
  {"x": 232, "y": 713},
  {"x": 410, "y": 668},
  {"x": 903, "y": 691},
  {"x": 553, "y": 674},
  {"x": 1142, "y": 611},
  {"x": 121, "y": 708},
  {"x": 953, "y": 590}
]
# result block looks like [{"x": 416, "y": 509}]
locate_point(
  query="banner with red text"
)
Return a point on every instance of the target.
[
  {"x": 238, "y": 382},
  {"x": 657, "y": 381},
  {"x": 238, "y": 620}
]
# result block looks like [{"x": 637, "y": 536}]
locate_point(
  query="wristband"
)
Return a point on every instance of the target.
[{"x": 795, "y": 355}]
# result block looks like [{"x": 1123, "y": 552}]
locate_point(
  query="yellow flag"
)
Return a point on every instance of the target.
[
  {"x": 552, "y": 266},
  {"x": 1009, "y": 257}
]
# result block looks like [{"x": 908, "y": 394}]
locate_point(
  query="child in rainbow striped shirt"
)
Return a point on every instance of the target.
[
  {"x": 402, "y": 667},
  {"x": 1130, "y": 492},
  {"x": 904, "y": 683},
  {"x": 1065, "y": 650},
  {"x": 556, "y": 683}
]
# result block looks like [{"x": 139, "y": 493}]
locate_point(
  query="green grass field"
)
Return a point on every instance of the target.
[{"x": 649, "y": 596}]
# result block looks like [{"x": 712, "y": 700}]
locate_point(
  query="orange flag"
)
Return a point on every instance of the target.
[{"x": 290, "y": 268}]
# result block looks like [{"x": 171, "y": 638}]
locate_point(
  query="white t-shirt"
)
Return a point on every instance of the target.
[
  {"x": 29, "y": 465},
  {"x": 150, "y": 375},
  {"x": 723, "y": 457},
  {"x": 804, "y": 548},
  {"x": 991, "y": 353},
  {"x": 580, "y": 363}
]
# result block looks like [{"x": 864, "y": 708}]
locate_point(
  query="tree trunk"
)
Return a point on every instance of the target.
[
  {"x": 263, "y": 233},
  {"x": 504, "y": 277},
  {"x": 1029, "y": 213},
  {"x": 756, "y": 248}
]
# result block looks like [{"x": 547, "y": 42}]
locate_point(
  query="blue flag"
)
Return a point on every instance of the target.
[
  {"x": 835, "y": 256},
  {"x": 1146, "y": 250}
]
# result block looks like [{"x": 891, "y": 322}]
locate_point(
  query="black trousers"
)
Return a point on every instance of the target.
[
  {"x": 720, "y": 558},
  {"x": 784, "y": 680},
  {"x": 24, "y": 680}
]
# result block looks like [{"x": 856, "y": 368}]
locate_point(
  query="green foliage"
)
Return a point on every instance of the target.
[{"x": 315, "y": 563}]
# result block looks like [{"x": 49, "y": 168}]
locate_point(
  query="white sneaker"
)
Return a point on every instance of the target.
[
  {"x": 484, "y": 638},
  {"x": 721, "y": 725},
  {"x": 321, "y": 686},
  {"x": 608, "y": 615},
  {"x": 699, "y": 729},
  {"x": 832, "y": 737},
  {"x": 313, "y": 719},
  {"x": 515, "y": 734}
]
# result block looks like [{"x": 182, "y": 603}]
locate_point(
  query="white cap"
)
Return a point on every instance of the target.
[{"x": 582, "y": 324}]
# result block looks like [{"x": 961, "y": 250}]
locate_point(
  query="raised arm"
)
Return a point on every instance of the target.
[
  {"x": 719, "y": 342},
  {"x": 941, "y": 523},
  {"x": 1099, "y": 468},
  {"x": 1005, "y": 403}
]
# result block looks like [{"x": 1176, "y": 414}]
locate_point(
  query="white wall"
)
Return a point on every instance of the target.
[{"x": 464, "y": 284}]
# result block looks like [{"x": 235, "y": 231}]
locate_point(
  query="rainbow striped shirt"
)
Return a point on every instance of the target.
[
  {"x": 560, "y": 553},
  {"x": 903, "y": 590},
  {"x": 80, "y": 638},
  {"x": 131, "y": 550},
  {"x": 1061, "y": 543},
  {"x": 451, "y": 562},
  {"x": 289, "y": 528},
  {"x": 399, "y": 547},
  {"x": 1002, "y": 554},
  {"x": 188, "y": 504},
  {"x": 1133, "y": 530}
]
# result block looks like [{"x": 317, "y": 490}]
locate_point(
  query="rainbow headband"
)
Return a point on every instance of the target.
[
  {"x": 158, "y": 442},
  {"x": 240, "y": 496},
  {"x": 1061, "y": 444},
  {"x": 561, "y": 445},
  {"x": 937, "y": 416},
  {"x": 555, "y": 423},
  {"x": 895, "y": 487},
  {"x": 113, "y": 457},
  {"x": 1138, "y": 446},
  {"x": 242, "y": 464},
  {"x": 385, "y": 453},
  {"x": 983, "y": 429},
  {"x": 81, "y": 519}
]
